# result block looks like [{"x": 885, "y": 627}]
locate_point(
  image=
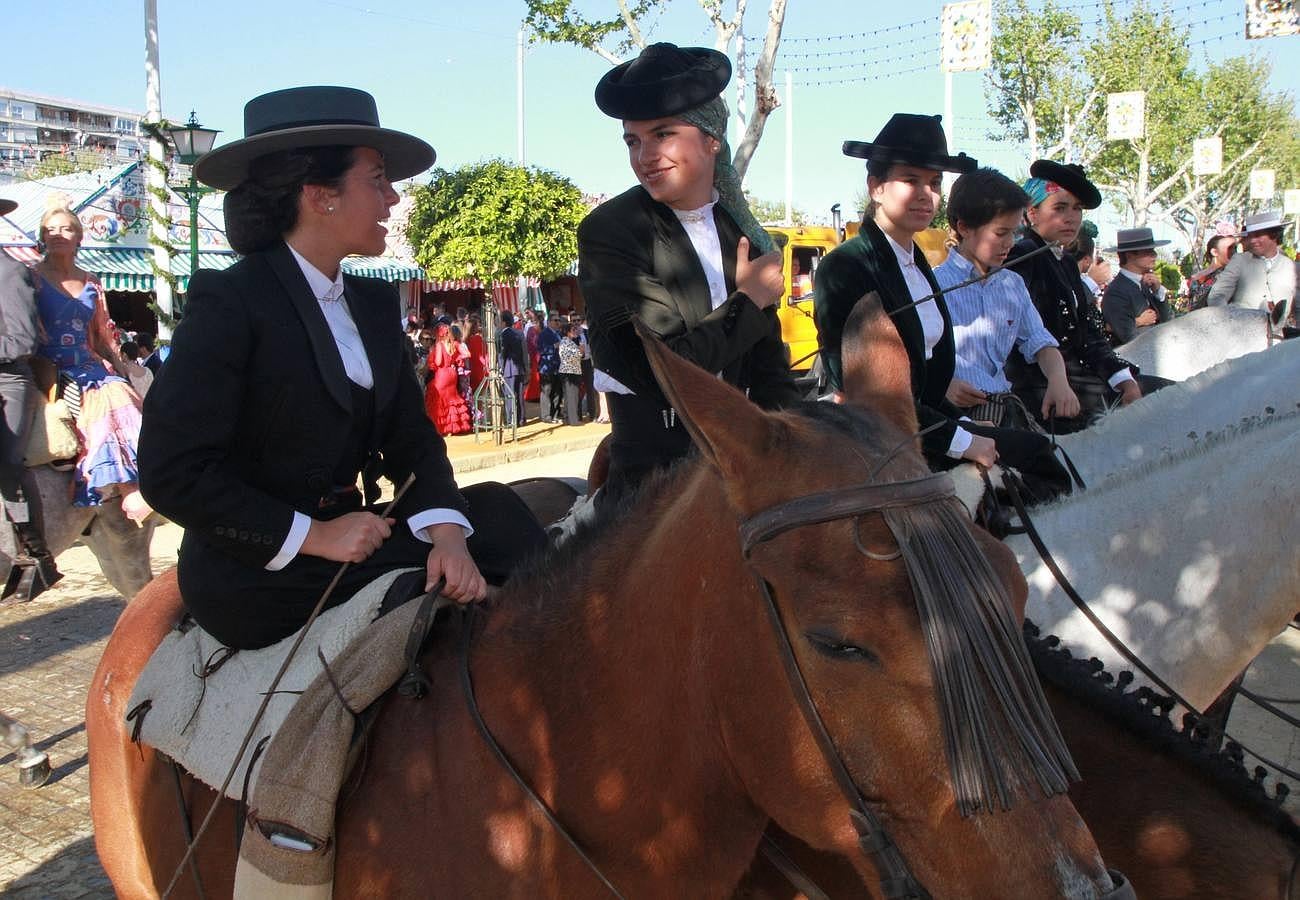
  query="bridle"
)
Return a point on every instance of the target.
[{"x": 896, "y": 880}]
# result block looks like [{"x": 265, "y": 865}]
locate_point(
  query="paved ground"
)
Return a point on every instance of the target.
[{"x": 49, "y": 648}]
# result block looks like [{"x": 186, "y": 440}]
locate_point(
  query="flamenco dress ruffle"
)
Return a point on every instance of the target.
[{"x": 109, "y": 423}]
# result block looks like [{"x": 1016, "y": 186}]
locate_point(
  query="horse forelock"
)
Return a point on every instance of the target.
[{"x": 1145, "y": 715}]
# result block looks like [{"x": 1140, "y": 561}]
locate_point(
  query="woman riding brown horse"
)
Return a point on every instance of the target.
[{"x": 641, "y": 691}]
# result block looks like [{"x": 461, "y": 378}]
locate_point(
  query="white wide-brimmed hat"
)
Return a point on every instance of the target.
[{"x": 1265, "y": 221}]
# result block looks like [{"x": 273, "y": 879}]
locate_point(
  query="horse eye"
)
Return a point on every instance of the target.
[{"x": 840, "y": 649}]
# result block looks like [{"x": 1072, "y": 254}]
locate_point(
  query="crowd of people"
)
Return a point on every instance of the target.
[{"x": 544, "y": 358}]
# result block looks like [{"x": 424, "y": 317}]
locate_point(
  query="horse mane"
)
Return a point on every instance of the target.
[
  {"x": 1145, "y": 713},
  {"x": 1203, "y": 445}
]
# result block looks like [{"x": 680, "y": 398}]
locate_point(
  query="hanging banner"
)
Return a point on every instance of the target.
[
  {"x": 1291, "y": 202},
  {"x": 1126, "y": 116},
  {"x": 1261, "y": 184},
  {"x": 1272, "y": 18},
  {"x": 966, "y": 36},
  {"x": 1207, "y": 156}
]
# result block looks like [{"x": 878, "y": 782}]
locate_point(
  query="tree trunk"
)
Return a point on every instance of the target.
[{"x": 765, "y": 98}]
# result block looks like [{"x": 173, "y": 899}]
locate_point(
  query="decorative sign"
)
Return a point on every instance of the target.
[
  {"x": 1126, "y": 115},
  {"x": 1207, "y": 156},
  {"x": 966, "y": 36},
  {"x": 1291, "y": 202},
  {"x": 1261, "y": 184},
  {"x": 1272, "y": 18}
]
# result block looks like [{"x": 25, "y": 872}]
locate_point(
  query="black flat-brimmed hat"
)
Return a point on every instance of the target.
[
  {"x": 316, "y": 116},
  {"x": 7, "y": 206},
  {"x": 663, "y": 80},
  {"x": 1264, "y": 221},
  {"x": 1129, "y": 239},
  {"x": 1069, "y": 176},
  {"x": 912, "y": 140}
]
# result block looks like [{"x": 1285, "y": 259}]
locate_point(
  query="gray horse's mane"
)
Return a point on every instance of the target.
[{"x": 1202, "y": 446}]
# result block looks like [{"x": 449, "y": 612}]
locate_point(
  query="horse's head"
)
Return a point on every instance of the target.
[{"x": 924, "y": 722}]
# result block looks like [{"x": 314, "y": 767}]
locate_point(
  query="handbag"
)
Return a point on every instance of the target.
[{"x": 53, "y": 436}]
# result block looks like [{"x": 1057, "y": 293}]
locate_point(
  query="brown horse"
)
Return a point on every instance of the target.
[
  {"x": 638, "y": 685},
  {"x": 1180, "y": 818}
]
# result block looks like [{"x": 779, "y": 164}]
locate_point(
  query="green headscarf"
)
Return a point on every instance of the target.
[{"x": 711, "y": 118}]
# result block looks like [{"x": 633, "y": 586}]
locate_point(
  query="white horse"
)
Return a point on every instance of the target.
[
  {"x": 121, "y": 548},
  {"x": 1190, "y": 558},
  {"x": 1198, "y": 341}
]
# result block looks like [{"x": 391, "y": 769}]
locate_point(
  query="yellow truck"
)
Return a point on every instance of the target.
[{"x": 802, "y": 249}]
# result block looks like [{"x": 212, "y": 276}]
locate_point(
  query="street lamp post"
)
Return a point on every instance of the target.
[{"x": 191, "y": 141}]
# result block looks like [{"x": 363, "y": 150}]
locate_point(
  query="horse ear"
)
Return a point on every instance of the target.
[
  {"x": 877, "y": 372},
  {"x": 723, "y": 423}
]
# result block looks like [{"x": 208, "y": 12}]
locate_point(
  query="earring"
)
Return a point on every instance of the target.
[{"x": 329, "y": 209}]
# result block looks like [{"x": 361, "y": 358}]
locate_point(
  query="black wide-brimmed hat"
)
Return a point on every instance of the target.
[
  {"x": 7, "y": 206},
  {"x": 316, "y": 116},
  {"x": 1129, "y": 239},
  {"x": 664, "y": 80},
  {"x": 912, "y": 140},
  {"x": 1069, "y": 176}
]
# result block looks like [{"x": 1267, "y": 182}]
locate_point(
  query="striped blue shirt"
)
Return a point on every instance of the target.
[{"x": 989, "y": 318}]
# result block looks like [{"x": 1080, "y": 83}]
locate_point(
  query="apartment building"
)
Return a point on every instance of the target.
[{"x": 34, "y": 126}]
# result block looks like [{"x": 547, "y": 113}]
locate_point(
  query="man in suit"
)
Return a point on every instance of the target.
[
  {"x": 1262, "y": 277},
  {"x": 151, "y": 359},
  {"x": 1135, "y": 300},
  {"x": 514, "y": 363},
  {"x": 33, "y": 571},
  {"x": 680, "y": 253}
]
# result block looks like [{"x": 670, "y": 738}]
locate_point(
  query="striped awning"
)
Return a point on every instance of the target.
[
  {"x": 384, "y": 267},
  {"x": 131, "y": 269}
]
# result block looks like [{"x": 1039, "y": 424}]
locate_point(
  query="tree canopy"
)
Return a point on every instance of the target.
[
  {"x": 495, "y": 221},
  {"x": 1048, "y": 83}
]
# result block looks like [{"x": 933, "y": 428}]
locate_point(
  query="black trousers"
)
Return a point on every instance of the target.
[
  {"x": 645, "y": 436},
  {"x": 19, "y": 399},
  {"x": 552, "y": 397},
  {"x": 1095, "y": 395},
  {"x": 246, "y": 609},
  {"x": 518, "y": 384},
  {"x": 1028, "y": 452},
  {"x": 590, "y": 403},
  {"x": 572, "y": 385}
]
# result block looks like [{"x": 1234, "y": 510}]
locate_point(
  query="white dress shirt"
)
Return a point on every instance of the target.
[
  {"x": 931, "y": 324},
  {"x": 329, "y": 293}
]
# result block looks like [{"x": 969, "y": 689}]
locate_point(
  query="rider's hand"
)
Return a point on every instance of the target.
[
  {"x": 1128, "y": 392},
  {"x": 761, "y": 280},
  {"x": 349, "y": 538},
  {"x": 964, "y": 394},
  {"x": 1063, "y": 398},
  {"x": 449, "y": 559},
  {"x": 1147, "y": 317},
  {"x": 982, "y": 450}
]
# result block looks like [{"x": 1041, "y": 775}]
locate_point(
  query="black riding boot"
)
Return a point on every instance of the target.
[{"x": 33, "y": 571}]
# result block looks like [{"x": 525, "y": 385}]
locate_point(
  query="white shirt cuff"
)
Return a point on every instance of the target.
[
  {"x": 961, "y": 439},
  {"x": 1119, "y": 378},
  {"x": 423, "y": 520},
  {"x": 292, "y": 544}
]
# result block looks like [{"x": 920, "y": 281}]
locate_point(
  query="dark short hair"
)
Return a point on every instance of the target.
[
  {"x": 145, "y": 341},
  {"x": 979, "y": 197},
  {"x": 1274, "y": 233},
  {"x": 507, "y": 317},
  {"x": 1082, "y": 246},
  {"x": 265, "y": 207},
  {"x": 130, "y": 349}
]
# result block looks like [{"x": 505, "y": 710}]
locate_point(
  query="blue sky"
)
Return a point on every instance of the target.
[{"x": 446, "y": 71}]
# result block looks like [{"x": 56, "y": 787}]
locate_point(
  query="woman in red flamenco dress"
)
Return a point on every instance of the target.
[{"x": 442, "y": 398}]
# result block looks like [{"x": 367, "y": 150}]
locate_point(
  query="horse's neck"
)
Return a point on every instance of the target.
[
  {"x": 616, "y": 692},
  {"x": 1189, "y": 562},
  {"x": 1177, "y": 417}
]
